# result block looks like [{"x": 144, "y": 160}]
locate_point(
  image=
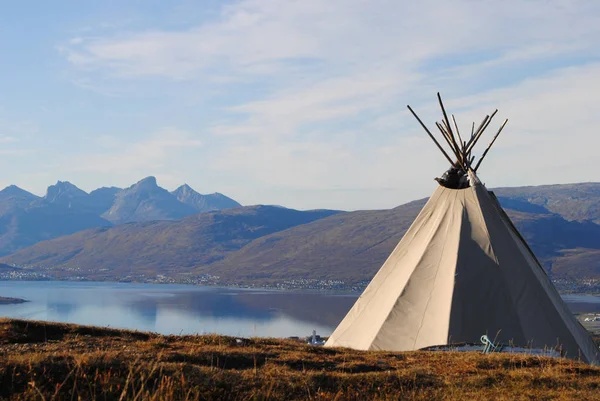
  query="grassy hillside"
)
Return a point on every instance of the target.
[
  {"x": 62, "y": 362},
  {"x": 578, "y": 262},
  {"x": 256, "y": 245},
  {"x": 20, "y": 228},
  {"x": 347, "y": 246},
  {"x": 576, "y": 202},
  {"x": 353, "y": 246},
  {"x": 162, "y": 246}
]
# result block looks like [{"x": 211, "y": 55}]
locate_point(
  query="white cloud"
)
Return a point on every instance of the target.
[
  {"x": 131, "y": 161},
  {"x": 16, "y": 152},
  {"x": 329, "y": 81},
  {"x": 251, "y": 35},
  {"x": 13, "y": 130},
  {"x": 550, "y": 138},
  {"x": 7, "y": 139}
]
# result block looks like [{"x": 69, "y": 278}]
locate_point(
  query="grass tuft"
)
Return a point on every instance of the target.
[{"x": 52, "y": 361}]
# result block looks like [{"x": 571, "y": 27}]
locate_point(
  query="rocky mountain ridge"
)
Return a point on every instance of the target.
[
  {"x": 146, "y": 201},
  {"x": 26, "y": 219},
  {"x": 246, "y": 245},
  {"x": 203, "y": 203}
]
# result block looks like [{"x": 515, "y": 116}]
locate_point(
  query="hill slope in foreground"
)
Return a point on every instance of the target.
[{"x": 57, "y": 361}]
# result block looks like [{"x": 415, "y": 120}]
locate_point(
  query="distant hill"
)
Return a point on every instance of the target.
[
  {"x": 146, "y": 201},
  {"x": 164, "y": 246},
  {"x": 203, "y": 203},
  {"x": 20, "y": 228},
  {"x": 5, "y": 267},
  {"x": 101, "y": 199},
  {"x": 66, "y": 194},
  {"x": 576, "y": 202},
  {"x": 13, "y": 197},
  {"x": 347, "y": 246},
  {"x": 352, "y": 246},
  {"x": 577, "y": 263},
  {"x": 260, "y": 244},
  {"x": 63, "y": 193},
  {"x": 26, "y": 219}
]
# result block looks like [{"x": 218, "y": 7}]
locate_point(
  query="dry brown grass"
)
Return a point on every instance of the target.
[{"x": 49, "y": 361}]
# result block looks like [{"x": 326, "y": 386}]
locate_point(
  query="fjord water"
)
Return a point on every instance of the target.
[
  {"x": 178, "y": 309},
  {"x": 182, "y": 309}
]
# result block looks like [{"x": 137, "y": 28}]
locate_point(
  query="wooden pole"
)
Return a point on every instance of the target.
[
  {"x": 447, "y": 122},
  {"x": 454, "y": 145},
  {"x": 489, "y": 121},
  {"x": 446, "y": 136},
  {"x": 478, "y": 135},
  {"x": 457, "y": 131},
  {"x": 490, "y": 145},
  {"x": 462, "y": 145},
  {"x": 473, "y": 135},
  {"x": 431, "y": 136},
  {"x": 450, "y": 134}
]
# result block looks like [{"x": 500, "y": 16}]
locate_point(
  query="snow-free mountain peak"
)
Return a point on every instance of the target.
[
  {"x": 146, "y": 201},
  {"x": 63, "y": 192},
  {"x": 27, "y": 219},
  {"x": 13, "y": 197},
  {"x": 13, "y": 191},
  {"x": 148, "y": 183},
  {"x": 185, "y": 191},
  {"x": 203, "y": 203},
  {"x": 102, "y": 199}
]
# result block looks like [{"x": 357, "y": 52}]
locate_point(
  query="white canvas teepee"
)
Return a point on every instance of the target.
[{"x": 462, "y": 270}]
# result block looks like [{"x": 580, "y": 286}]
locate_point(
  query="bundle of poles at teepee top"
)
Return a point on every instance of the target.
[{"x": 459, "y": 148}]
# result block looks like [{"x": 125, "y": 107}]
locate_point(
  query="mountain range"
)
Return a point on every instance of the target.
[
  {"x": 574, "y": 202},
  {"x": 260, "y": 244},
  {"x": 163, "y": 246},
  {"x": 26, "y": 219}
]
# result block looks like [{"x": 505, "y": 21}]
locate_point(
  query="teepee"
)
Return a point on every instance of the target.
[{"x": 462, "y": 270}]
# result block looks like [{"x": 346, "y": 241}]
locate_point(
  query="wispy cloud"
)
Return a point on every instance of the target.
[
  {"x": 16, "y": 152},
  {"x": 263, "y": 36},
  {"x": 311, "y": 94},
  {"x": 135, "y": 160},
  {"x": 7, "y": 139}
]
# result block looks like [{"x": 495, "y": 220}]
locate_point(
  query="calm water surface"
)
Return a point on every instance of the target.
[{"x": 175, "y": 309}]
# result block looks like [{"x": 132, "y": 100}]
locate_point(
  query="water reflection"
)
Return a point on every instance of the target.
[
  {"x": 174, "y": 309},
  {"x": 178, "y": 309},
  {"x": 580, "y": 303},
  {"x": 62, "y": 309}
]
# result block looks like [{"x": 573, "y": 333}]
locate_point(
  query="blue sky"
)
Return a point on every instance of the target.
[{"x": 298, "y": 103}]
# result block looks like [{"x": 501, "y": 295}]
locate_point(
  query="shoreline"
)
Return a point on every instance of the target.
[
  {"x": 249, "y": 287},
  {"x": 257, "y": 287},
  {"x": 11, "y": 301},
  {"x": 276, "y": 287}
]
